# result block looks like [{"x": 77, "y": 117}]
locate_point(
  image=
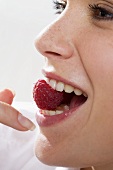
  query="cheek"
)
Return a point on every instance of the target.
[
  {"x": 97, "y": 58},
  {"x": 98, "y": 62}
]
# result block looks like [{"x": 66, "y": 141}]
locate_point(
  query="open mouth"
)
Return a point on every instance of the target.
[{"x": 55, "y": 97}]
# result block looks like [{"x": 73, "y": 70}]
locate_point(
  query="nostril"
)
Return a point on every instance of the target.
[{"x": 52, "y": 53}]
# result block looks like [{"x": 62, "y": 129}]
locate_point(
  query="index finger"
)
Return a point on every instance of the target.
[{"x": 13, "y": 118}]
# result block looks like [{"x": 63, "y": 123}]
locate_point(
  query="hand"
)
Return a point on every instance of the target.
[{"x": 10, "y": 116}]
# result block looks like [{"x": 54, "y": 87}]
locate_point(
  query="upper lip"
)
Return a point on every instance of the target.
[{"x": 54, "y": 76}]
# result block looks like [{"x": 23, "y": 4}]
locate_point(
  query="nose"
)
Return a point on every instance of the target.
[{"x": 53, "y": 41}]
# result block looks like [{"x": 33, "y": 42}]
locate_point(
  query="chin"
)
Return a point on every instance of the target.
[
  {"x": 45, "y": 153},
  {"x": 50, "y": 156}
]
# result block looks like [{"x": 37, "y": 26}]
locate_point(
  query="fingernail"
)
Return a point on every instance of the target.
[{"x": 25, "y": 122}]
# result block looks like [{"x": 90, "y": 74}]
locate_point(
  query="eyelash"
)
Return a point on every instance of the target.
[
  {"x": 59, "y": 6},
  {"x": 98, "y": 13}
]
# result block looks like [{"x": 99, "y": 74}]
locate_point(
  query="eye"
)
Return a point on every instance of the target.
[
  {"x": 59, "y": 6},
  {"x": 101, "y": 13}
]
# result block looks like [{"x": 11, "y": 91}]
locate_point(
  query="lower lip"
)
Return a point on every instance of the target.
[{"x": 45, "y": 120}]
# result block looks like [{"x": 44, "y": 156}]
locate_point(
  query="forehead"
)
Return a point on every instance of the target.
[
  {"x": 84, "y": 2},
  {"x": 109, "y": 1}
]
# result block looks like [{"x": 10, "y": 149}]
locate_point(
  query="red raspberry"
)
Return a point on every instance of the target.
[{"x": 45, "y": 96}]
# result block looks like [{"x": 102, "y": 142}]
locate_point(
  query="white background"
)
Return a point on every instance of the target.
[{"x": 20, "y": 63}]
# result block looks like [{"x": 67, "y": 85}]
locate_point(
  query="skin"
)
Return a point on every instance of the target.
[
  {"x": 85, "y": 44},
  {"x": 10, "y": 116}
]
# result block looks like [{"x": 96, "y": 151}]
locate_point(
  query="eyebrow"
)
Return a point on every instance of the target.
[{"x": 109, "y": 1}]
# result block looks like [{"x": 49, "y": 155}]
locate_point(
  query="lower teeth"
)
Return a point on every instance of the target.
[{"x": 58, "y": 111}]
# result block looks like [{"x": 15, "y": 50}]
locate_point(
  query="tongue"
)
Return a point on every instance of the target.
[
  {"x": 73, "y": 100},
  {"x": 77, "y": 101}
]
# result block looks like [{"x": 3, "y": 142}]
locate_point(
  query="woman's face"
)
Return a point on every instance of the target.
[{"x": 78, "y": 47}]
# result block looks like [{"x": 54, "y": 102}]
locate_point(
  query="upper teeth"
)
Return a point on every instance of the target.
[{"x": 60, "y": 86}]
